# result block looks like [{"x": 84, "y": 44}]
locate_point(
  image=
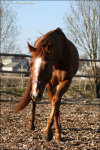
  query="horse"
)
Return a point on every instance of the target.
[{"x": 54, "y": 63}]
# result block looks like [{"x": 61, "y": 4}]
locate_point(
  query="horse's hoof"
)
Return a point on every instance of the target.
[
  {"x": 31, "y": 127},
  {"x": 58, "y": 138},
  {"x": 48, "y": 135}
]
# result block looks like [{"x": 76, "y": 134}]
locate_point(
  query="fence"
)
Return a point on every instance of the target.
[
  {"x": 27, "y": 72},
  {"x": 81, "y": 79}
]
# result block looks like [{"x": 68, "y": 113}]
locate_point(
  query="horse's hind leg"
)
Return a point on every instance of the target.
[{"x": 32, "y": 117}]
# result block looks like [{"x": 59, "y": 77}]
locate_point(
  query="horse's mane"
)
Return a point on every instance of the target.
[{"x": 46, "y": 43}]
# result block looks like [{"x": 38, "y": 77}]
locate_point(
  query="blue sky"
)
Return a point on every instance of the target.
[{"x": 38, "y": 18}]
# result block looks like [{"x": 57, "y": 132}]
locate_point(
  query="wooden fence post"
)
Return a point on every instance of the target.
[{"x": 22, "y": 82}]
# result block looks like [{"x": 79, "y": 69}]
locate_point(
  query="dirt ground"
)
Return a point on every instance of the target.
[{"x": 80, "y": 120}]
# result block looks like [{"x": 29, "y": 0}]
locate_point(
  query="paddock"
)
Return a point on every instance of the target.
[
  {"x": 79, "y": 120},
  {"x": 79, "y": 117}
]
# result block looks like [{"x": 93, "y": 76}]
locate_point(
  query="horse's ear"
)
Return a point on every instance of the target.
[{"x": 31, "y": 48}]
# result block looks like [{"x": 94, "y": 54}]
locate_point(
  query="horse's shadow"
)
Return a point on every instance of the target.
[{"x": 65, "y": 132}]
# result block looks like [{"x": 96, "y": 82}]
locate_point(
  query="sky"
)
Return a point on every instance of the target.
[{"x": 37, "y": 18}]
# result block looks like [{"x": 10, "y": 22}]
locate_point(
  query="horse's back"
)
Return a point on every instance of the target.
[
  {"x": 65, "y": 52},
  {"x": 75, "y": 56}
]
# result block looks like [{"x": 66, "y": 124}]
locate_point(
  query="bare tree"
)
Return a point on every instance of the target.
[
  {"x": 8, "y": 29},
  {"x": 82, "y": 25}
]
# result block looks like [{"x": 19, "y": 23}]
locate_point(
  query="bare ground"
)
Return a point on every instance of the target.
[{"x": 80, "y": 120}]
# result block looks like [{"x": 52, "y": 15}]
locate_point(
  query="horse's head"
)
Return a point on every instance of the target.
[{"x": 40, "y": 73}]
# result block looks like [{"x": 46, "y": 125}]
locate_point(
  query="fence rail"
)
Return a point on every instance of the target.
[
  {"x": 24, "y": 55},
  {"x": 29, "y": 56},
  {"x": 27, "y": 72},
  {"x": 16, "y": 55},
  {"x": 17, "y": 72}
]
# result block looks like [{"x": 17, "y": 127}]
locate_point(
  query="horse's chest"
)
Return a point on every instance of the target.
[{"x": 58, "y": 76}]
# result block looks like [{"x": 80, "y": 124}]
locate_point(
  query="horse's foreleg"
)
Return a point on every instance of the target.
[
  {"x": 48, "y": 131},
  {"x": 57, "y": 122},
  {"x": 55, "y": 104},
  {"x": 61, "y": 89},
  {"x": 48, "y": 134},
  {"x": 32, "y": 117},
  {"x": 50, "y": 91}
]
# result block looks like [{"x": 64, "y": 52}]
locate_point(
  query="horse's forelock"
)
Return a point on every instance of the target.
[{"x": 43, "y": 47}]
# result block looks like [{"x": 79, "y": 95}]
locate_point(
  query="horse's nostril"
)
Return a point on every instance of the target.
[{"x": 39, "y": 95}]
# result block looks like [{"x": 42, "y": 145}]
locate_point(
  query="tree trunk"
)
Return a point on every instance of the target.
[{"x": 97, "y": 84}]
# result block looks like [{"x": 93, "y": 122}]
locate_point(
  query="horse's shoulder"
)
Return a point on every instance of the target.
[{"x": 60, "y": 75}]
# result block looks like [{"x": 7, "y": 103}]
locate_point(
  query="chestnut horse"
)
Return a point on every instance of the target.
[{"x": 53, "y": 64}]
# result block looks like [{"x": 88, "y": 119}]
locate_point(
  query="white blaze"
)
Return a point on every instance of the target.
[{"x": 36, "y": 67}]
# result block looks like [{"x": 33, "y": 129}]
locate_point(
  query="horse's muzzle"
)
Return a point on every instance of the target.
[{"x": 36, "y": 98}]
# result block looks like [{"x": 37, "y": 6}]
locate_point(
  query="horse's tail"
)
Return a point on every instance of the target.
[{"x": 26, "y": 98}]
